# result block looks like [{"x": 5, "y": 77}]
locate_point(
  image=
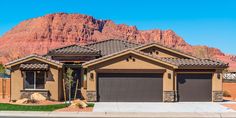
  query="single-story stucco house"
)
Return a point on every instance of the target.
[{"x": 119, "y": 71}]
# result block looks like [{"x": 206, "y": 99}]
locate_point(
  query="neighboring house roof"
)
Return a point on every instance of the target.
[
  {"x": 112, "y": 46},
  {"x": 74, "y": 50},
  {"x": 144, "y": 46},
  {"x": 34, "y": 66},
  {"x": 34, "y": 56}
]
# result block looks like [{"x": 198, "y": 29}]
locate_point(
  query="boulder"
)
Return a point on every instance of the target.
[
  {"x": 23, "y": 101},
  {"x": 37, "y": 97},
  {"x": 78, "y": 103}
]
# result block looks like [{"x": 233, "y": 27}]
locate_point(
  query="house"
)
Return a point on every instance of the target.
[{"x": 119, "y": 71}]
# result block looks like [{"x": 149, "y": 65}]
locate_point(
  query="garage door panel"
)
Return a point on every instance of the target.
[
  {"x": 194, "y": 87},
  {"x": 129, "y": 87}
]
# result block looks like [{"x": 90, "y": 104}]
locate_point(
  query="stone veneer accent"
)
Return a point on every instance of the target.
[
  {"x": 28, "y": 93},
  {"x": 217, "y": 96},
  {"x": 91, "y": 96},
  {"x": 169, "y": 96}
]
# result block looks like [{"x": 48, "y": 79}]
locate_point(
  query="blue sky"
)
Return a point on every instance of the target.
[{"x": 199, "y": 22}]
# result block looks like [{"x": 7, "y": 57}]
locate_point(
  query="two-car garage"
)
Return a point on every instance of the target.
[{"x": 130, "y": 87}]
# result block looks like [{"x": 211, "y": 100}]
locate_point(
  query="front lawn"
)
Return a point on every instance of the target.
[{"x": 13, "y": 107}]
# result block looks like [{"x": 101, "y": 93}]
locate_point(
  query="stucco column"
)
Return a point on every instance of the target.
[
  {"x": 217, "y": 89},
  {"x": 168, "y": 86},
  {"x": 91, "y": 86}
]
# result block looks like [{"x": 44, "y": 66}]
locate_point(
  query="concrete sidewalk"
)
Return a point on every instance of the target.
[
  {"x": 153, "y": 107},
  {"x": 114, "y": 115}
]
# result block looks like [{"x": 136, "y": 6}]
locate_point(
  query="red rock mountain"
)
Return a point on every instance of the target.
[{"x": 41, "y": 34}]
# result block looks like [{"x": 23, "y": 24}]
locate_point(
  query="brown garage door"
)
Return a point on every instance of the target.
[
  {"x": 194, "y": 87},
  {"x": 129, "y": 87}
]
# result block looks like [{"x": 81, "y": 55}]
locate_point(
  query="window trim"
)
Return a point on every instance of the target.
[{"x": 35, "y": 72}]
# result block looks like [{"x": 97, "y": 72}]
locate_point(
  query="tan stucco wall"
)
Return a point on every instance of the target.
[
  {"x": 217, "y": 83},
  {"x": 91, "y": 83},
  {"x": 52, "y": 82},
  {"x": 162, "y": 53},
  {"x": 16, "y": 83},
  {"x": 139, "y": 63},
  {"x": 168, "y": 83}
]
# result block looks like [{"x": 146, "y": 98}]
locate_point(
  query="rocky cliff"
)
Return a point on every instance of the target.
[{"x": 41, "y": 34}]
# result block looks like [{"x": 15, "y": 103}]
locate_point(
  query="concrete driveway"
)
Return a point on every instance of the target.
[{"x": 160, "y": 107}]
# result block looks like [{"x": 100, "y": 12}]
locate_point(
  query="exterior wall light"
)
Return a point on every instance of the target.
[
  {"x": 169, "y": 75},
  {"x": 218, "y": 75},
  {"x": 91, "y": 76}
]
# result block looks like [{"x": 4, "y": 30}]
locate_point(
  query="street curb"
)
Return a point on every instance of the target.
[{"x": 118, "y": 114}]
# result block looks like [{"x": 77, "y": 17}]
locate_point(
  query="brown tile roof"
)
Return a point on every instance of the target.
[
  {"x": 172, "y": 61},
  {"x": 74, "y": 50},
  {"x": 189, "y": 62},
  {"x": 35, "y": 56},
  {"x": 111, "y": 46},
  {"x": 34, "y": 66},
  {"x": 195, "y": 62}
]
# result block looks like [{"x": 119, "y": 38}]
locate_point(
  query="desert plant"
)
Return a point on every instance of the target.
[
  {"x": 69, "y": 82},
  {"x": 226, "y": 94}
]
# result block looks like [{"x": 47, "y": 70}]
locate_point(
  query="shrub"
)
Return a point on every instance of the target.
[{"x": 226, "y": 94}]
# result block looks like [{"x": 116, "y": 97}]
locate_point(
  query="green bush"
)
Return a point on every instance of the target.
[{"x": 226, "y": 94}]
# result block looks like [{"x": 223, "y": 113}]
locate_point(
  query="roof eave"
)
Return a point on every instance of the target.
[
  {"x": 10, "y": 64},
  {"x": 166, "y": 48},
  {"x": 93, "y": 62},
  {"x": 202, "y": 67}
]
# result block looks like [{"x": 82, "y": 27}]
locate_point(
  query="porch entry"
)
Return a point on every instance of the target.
[{"x": 77, "y": 80}]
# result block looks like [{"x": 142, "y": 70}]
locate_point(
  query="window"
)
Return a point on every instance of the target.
[{"x": 34, "y": 79}]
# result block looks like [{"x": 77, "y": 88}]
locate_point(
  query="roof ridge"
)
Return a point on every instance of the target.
[
  {"x": 63, "y": 47},
  {"x": 75, "y": 47},
  {"x": 122, "y": 40},
  {"x": 89, "y": 48}
]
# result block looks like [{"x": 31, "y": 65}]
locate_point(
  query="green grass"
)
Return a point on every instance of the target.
[
  {"x": 90, "y": 104},
  {"x": 12, "y": 107}
]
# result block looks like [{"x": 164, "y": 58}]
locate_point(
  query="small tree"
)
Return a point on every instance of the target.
[
  {"x": 2, "y": 69},
  {"x": 69, "y": 81}
]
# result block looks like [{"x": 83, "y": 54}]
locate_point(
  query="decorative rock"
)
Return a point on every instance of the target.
[
  {"x": 37, "y": 97},
  {"x": 79, "y": 103},
  {"x": 23, "y": 101}
]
